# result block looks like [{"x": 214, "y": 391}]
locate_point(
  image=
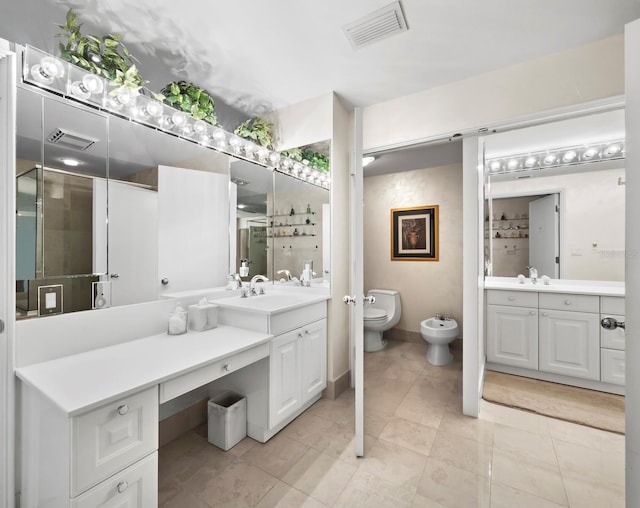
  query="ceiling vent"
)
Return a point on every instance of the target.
[
  {"x": 70, "y": 140},
  {"x": 376, "y": 26}
]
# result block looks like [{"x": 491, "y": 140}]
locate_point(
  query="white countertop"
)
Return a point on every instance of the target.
[
  {"x": 83, "y": 381},
  {"x": 579, "y": 287}
]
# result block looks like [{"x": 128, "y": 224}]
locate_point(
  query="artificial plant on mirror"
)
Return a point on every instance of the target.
[
  {"x": 106, "y": 56},
  {"x": 316, "y": 160},
  {"x": 191, "y": 99},
  {"x": 258, "y": 130}
]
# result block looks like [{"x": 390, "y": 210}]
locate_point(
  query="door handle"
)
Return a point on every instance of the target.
[
  {"x": 349, "y": 299},
  {"x": 609, "y": 323}
]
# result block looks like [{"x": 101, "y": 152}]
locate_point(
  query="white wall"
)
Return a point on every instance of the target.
[
  {"x": 578, "y": 75},
  {"x": 426, "y": 287},
  {"x": 592, "y": 213}
]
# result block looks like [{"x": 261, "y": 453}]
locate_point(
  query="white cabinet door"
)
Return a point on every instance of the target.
[
  {"x": 512, "y": 336},
  {"x": 570, "y": 343},
  {"x": 286, "y": 376},
  {"x": 314, "y": 359}
]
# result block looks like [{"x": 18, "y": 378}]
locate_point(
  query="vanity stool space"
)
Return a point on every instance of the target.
[{"x": 553, "y": 333}]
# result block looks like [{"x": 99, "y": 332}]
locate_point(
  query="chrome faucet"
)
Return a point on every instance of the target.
[
  {"x": 252, "y": 284},
  {"x": 286, "y": 273},
  {"x": 235, "y": 277},
  {"x": 533, "y": 274}
]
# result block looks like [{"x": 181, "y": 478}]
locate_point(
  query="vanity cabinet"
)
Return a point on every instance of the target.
[
  {"x": 612, "y": 342},
  {"x": 105, "y": 455},
  {"x": 297, "y": 370},
  {"x": 553, "y": 335},
  {"x": 512, "y": 324}
]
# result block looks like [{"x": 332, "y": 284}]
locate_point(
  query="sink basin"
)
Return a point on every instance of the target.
[{"x": 270, "y": 302}]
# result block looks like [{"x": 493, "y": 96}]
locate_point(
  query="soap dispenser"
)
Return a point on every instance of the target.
[{"x": 244, "y": 267}]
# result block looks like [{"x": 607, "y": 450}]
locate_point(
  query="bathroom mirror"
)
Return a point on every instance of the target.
[
  {"x": 298, "y": 228},
  {"x": 566, "y": 221},
  {"x": 61, "y": 173}
]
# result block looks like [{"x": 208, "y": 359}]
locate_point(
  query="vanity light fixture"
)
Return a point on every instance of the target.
[
  {"x": 70, "y": 162},
  {"x": 140, "y": 105},
  {"x": 560, "y": 157},
  {"x": 367, "y": 160}
]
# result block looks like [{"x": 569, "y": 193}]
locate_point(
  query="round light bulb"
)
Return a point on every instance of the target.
[
  {"x": 47, "y": 70},
  {"x": 513, "y": 164},
  {"x": 530, "y": 162},
  {"x": 549, "y": 159},
  {"x": 200, "y": 127},
  {"x": 178, "y": 118},
  {"x": 612, "y": 149},
  {"x": 569, "y": 156},
  {"x": 494, "y": 166},
  {"x": 589, "y": 153}
]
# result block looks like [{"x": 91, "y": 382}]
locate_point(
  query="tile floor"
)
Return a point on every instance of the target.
[{"x": 420, "y": 451}]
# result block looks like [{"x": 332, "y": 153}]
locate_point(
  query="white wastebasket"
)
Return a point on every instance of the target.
[{"x": 227, "y": 419}]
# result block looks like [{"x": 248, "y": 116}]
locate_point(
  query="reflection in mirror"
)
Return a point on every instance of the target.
[
  {"x": 254, "y": 187},
  {"x": 61, "y": 209},
  {"x": 168, "y": 214},
  {"x": 568, "y": 221},
  {"x": 298, "y": 229}
]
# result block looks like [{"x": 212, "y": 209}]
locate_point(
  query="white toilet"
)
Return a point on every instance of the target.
[
  {"x": 439, "y": 333},
  {"x": 379, "y": 316}
]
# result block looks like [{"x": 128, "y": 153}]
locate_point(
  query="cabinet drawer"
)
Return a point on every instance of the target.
[
  {"x": 613, "y": 363},
  {"x": 108, "y": 439},
  {"x": 612, "y": 305},
  {"x": 612, "y": 339},
  {"x": 135, "y": 487},
  {"x": 513, "y": 298},
  {"x": 565, "y": 301},
  {"x": 192, "y": 380}
]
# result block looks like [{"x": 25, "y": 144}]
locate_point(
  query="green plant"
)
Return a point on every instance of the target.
[
  {"x": 256, "y": 129},
  {"x": 316, "y": 160},
  {"x": 107, "y": 57},
  {"x": 192, "y": 99}
]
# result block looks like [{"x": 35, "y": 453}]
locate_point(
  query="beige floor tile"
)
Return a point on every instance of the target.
[
  {"x": 537, "y": 478},
  {"x": 179, "y": 497},
  {"x": 307, "y": 428},
  {"x": 454, "y": 422},
  {"x": 584, "y": 492},
  {"x": 586, "y": 436},
  {"x": 438, "y": 392},
  {"x": 276, "y": 456},
  {"x": 514, "y": 417},
  {"x": 284, "y": 496},
  {"x": 243, "y": 446},
  {"x": 239, "y": 485},
  {"x": 503, "y": 496},
  {"x": 423, "y": 502},
  {"x": 320, "y": 476},
  {"x": 453, "y": 487},
  {"x": 384, "y": 397},
  {"x": 598, "y": 464},
  {"x": 411, "y": 435},
  {"x": 181, "y": 459},
  {"x": 374, "y": 421},
  {"x": 367, "y": 490},
  {"x": 415, "y": 409},
  {"x": 538, "y": 447},
  {"x": 463, "y": 453},
  {"x": 338, "y": 411},
  {"x": 394, "y": 463},
  {"x": 339, "y": 442}
]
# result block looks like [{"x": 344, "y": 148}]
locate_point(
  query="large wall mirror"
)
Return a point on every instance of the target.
[
  {"x": 111, "y": 212},
  {"x": 567, "y": 219}
]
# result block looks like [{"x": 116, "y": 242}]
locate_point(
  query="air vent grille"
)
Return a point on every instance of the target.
[
  {"x": 376, "y": 26},
  {"x": 70, "y": 140}
]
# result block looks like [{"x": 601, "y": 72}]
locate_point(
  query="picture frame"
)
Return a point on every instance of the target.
[{"x": 414, "y": 233}]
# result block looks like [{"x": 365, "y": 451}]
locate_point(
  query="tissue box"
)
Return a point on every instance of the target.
[{"x": 203, "y": 316}]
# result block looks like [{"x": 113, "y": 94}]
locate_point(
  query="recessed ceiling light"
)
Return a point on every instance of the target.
[
  {"x": 70, "y": 162},
  {"x": 367, "y": 160}
]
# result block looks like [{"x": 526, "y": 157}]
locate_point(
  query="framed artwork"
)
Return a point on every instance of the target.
[{"x": 414, "y": 233}]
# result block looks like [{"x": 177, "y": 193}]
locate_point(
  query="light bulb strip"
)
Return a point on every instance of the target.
[
  {"x": 557, "y": 158},
  {"x": 140, "y": 106}
]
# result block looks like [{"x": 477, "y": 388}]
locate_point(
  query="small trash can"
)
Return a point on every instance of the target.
[{"x": 227, "y": 419}]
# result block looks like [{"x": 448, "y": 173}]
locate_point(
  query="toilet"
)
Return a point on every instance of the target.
[
  {"x": 379, "y": 316},
  {"x": 439, "y": 333}
]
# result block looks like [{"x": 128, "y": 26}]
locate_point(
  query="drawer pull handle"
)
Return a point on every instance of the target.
[
  {"x": 122, "y": 486},
  {"x": 123, "y": 410},
  {"x": 512, "y": 298},
  {"x": 532, "y": 312},
  {"x": 306, "y": 332},
  {"x": 227, "y": 367},
  {"x": 299, "y": 335},
  {"x": 545, "y": 314},
  {"x": 609, "y": 323},
  {"x": 567, "y": 302}
]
